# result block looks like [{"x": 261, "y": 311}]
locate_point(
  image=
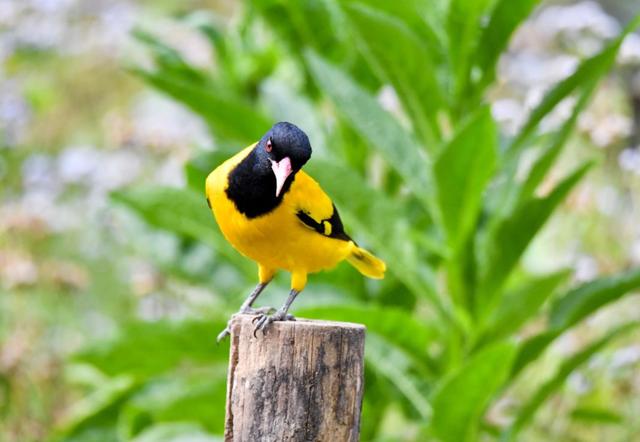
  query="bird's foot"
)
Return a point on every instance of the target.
[
  {"x": 262, "y": 321},
  {"x": 260, "y": 311}
]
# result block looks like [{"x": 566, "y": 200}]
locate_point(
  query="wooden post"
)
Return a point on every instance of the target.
[{"x": 301, "y": 381}]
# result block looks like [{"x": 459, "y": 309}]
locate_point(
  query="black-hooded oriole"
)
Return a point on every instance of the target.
[{"x": 277, "y": 215}]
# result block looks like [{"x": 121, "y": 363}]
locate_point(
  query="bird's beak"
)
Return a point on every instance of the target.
[{"x": 281, "y": 169}]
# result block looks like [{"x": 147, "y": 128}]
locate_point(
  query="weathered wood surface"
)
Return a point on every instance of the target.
[{"x": 301, "y": 381}]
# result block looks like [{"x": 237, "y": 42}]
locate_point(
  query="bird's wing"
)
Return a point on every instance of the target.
[{"x": 314, "y": 208}]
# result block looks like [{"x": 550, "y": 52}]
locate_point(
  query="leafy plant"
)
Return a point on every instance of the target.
[{"x": 447, "y": 210}]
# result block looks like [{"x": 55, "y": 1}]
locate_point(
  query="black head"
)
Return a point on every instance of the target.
[
  {"x": 285, "y": 140},
  {"x": 258, "y": 183}
]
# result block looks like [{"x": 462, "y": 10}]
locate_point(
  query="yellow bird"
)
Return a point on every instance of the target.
[{"x": 275, "y": 214}]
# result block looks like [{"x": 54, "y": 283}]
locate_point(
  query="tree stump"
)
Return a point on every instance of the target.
[{"x": 301, "y": 381}]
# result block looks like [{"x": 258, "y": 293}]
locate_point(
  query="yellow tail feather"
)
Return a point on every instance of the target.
[{"x": 366, "y": 263}]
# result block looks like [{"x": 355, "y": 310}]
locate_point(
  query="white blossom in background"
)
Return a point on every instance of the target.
[
  {"x": 629, "y": 53},
  {"x": 192, "y": 45},
  {"x": 585, "y": 268},
  {"x": 625, "y": 356},
  {"x": 608, "y": 200},
  {"x": 605, "y": 130},
  {"x": 557, "y": 117},
  {"x": 629, "y": 160},
  {"x": 528, "y": 69},
  {"x": 15, "y": 114},
  {"x": 17, "y": 269},
  {"x": 509, "y": 113},
  {"x": 584, "y": 24},
  {"x": 57, "y": 216},
  {"x": 170, "y": 173},
  {"x": 78, "y": 164},
  {"x": 388, "y": 99},
  {"x": 98, "y": 170},
  {"x": 156, "y": 306},
  {"x": 118, "y": 169},
  {"x": 579, "y": 383},
  {"x": 547, "y": 49},
  {"x": 163, "y": 124},
  {"x": 144, "y": 278},
  {"x": 99, "y": 324},
  {"x": 68, "y": 26},
  {"x": 39, "y": 174},
  {"x": 634, "y": 252}
]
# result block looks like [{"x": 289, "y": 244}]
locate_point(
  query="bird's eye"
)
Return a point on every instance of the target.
[{"x": 268, "y": 147}]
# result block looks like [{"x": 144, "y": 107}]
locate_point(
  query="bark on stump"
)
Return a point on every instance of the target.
[{"x": 301, "y": 381}]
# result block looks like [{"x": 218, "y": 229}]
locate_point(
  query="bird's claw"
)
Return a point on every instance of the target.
[
  {"x": 259, "y": 312},
  {"x": 262, "y": 321}
]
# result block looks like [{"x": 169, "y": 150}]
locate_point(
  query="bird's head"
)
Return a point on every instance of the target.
[{"x": 284, "y": 149}]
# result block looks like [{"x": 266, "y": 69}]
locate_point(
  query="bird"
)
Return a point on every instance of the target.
[{"x": 275, "y": 214}]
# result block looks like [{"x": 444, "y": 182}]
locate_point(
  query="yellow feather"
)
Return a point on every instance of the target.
[
  {"x": 367, "y": 264},
  {"x": 278, "y": 239}
]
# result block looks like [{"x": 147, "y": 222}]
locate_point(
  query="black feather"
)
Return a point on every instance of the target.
[
  {"x": 252, "y": 187},
  {"x": 337, "y": 229},
  {"x": 252, "y": 184}
]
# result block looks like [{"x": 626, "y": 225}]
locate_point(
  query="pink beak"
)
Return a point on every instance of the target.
[{"x": 282, "y": 170}]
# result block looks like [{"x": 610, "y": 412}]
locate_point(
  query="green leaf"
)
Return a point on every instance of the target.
[
  {"x": 427, "y": 22},
  {"x": 463, "y": 28},
  {"x": 177, "y": 210},
  {"x": 596, "y": 415},
  {"x": 587, "y": 73},
  {"x": 508, "y": 194},
  {"x": 586, "y": 299},
  {"x": 462, "y": 171},
  {"x": 396, "y": 367},
  {"x": 93, "y": 433},
  {"x": 227, "y": 115},
  {"x": 402, "y": 59},
  {"x": 505, "y": 18},
  {"x": 547, "y": 158},
  {"x": 180, "y": 211},
  {"x": 512, "y": 236},
  {"x": 201, "y": 165},
  {"x": 462, "y": 398},
  {"x": 522, "y": 304},
  {"x": 176, "y": 432},
  {"x": 170, "y": 344},
  {"x": 413, "y": 14},
  {"x": 573, "y": 307},
  {"x": 531, "y": 348},
  {"x": 177, "y": 399},
  {"x": 168, "y": 59},
  {"x": 318, "y": 25},
  {"x": 95, "y": 408},
  {"x": 374, "y": 125},
  {"x": 287, "y": 104},
  {"x": 530, "y": 408}
]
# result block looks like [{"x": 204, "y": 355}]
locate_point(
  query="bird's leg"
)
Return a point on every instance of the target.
[
  {"x": 263, "y": 320},
  {"x": 246, "y": 308}
]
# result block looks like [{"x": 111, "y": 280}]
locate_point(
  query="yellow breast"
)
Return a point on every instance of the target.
[{"x": 278, "y": 239}]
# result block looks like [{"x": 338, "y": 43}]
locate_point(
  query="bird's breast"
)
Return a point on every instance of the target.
[{"x": 277, "y": 239}]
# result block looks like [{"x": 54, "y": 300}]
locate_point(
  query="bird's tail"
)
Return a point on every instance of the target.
[{"x": 366, "y": 263}]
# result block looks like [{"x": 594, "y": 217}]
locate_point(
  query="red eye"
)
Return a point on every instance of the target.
[{"x": 268, "y": 146}]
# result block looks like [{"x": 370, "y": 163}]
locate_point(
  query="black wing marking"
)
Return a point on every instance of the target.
[{"x": 331, "y": 227}]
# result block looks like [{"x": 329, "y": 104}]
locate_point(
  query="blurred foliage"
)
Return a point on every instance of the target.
[{"x": 426, "y": 181}]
